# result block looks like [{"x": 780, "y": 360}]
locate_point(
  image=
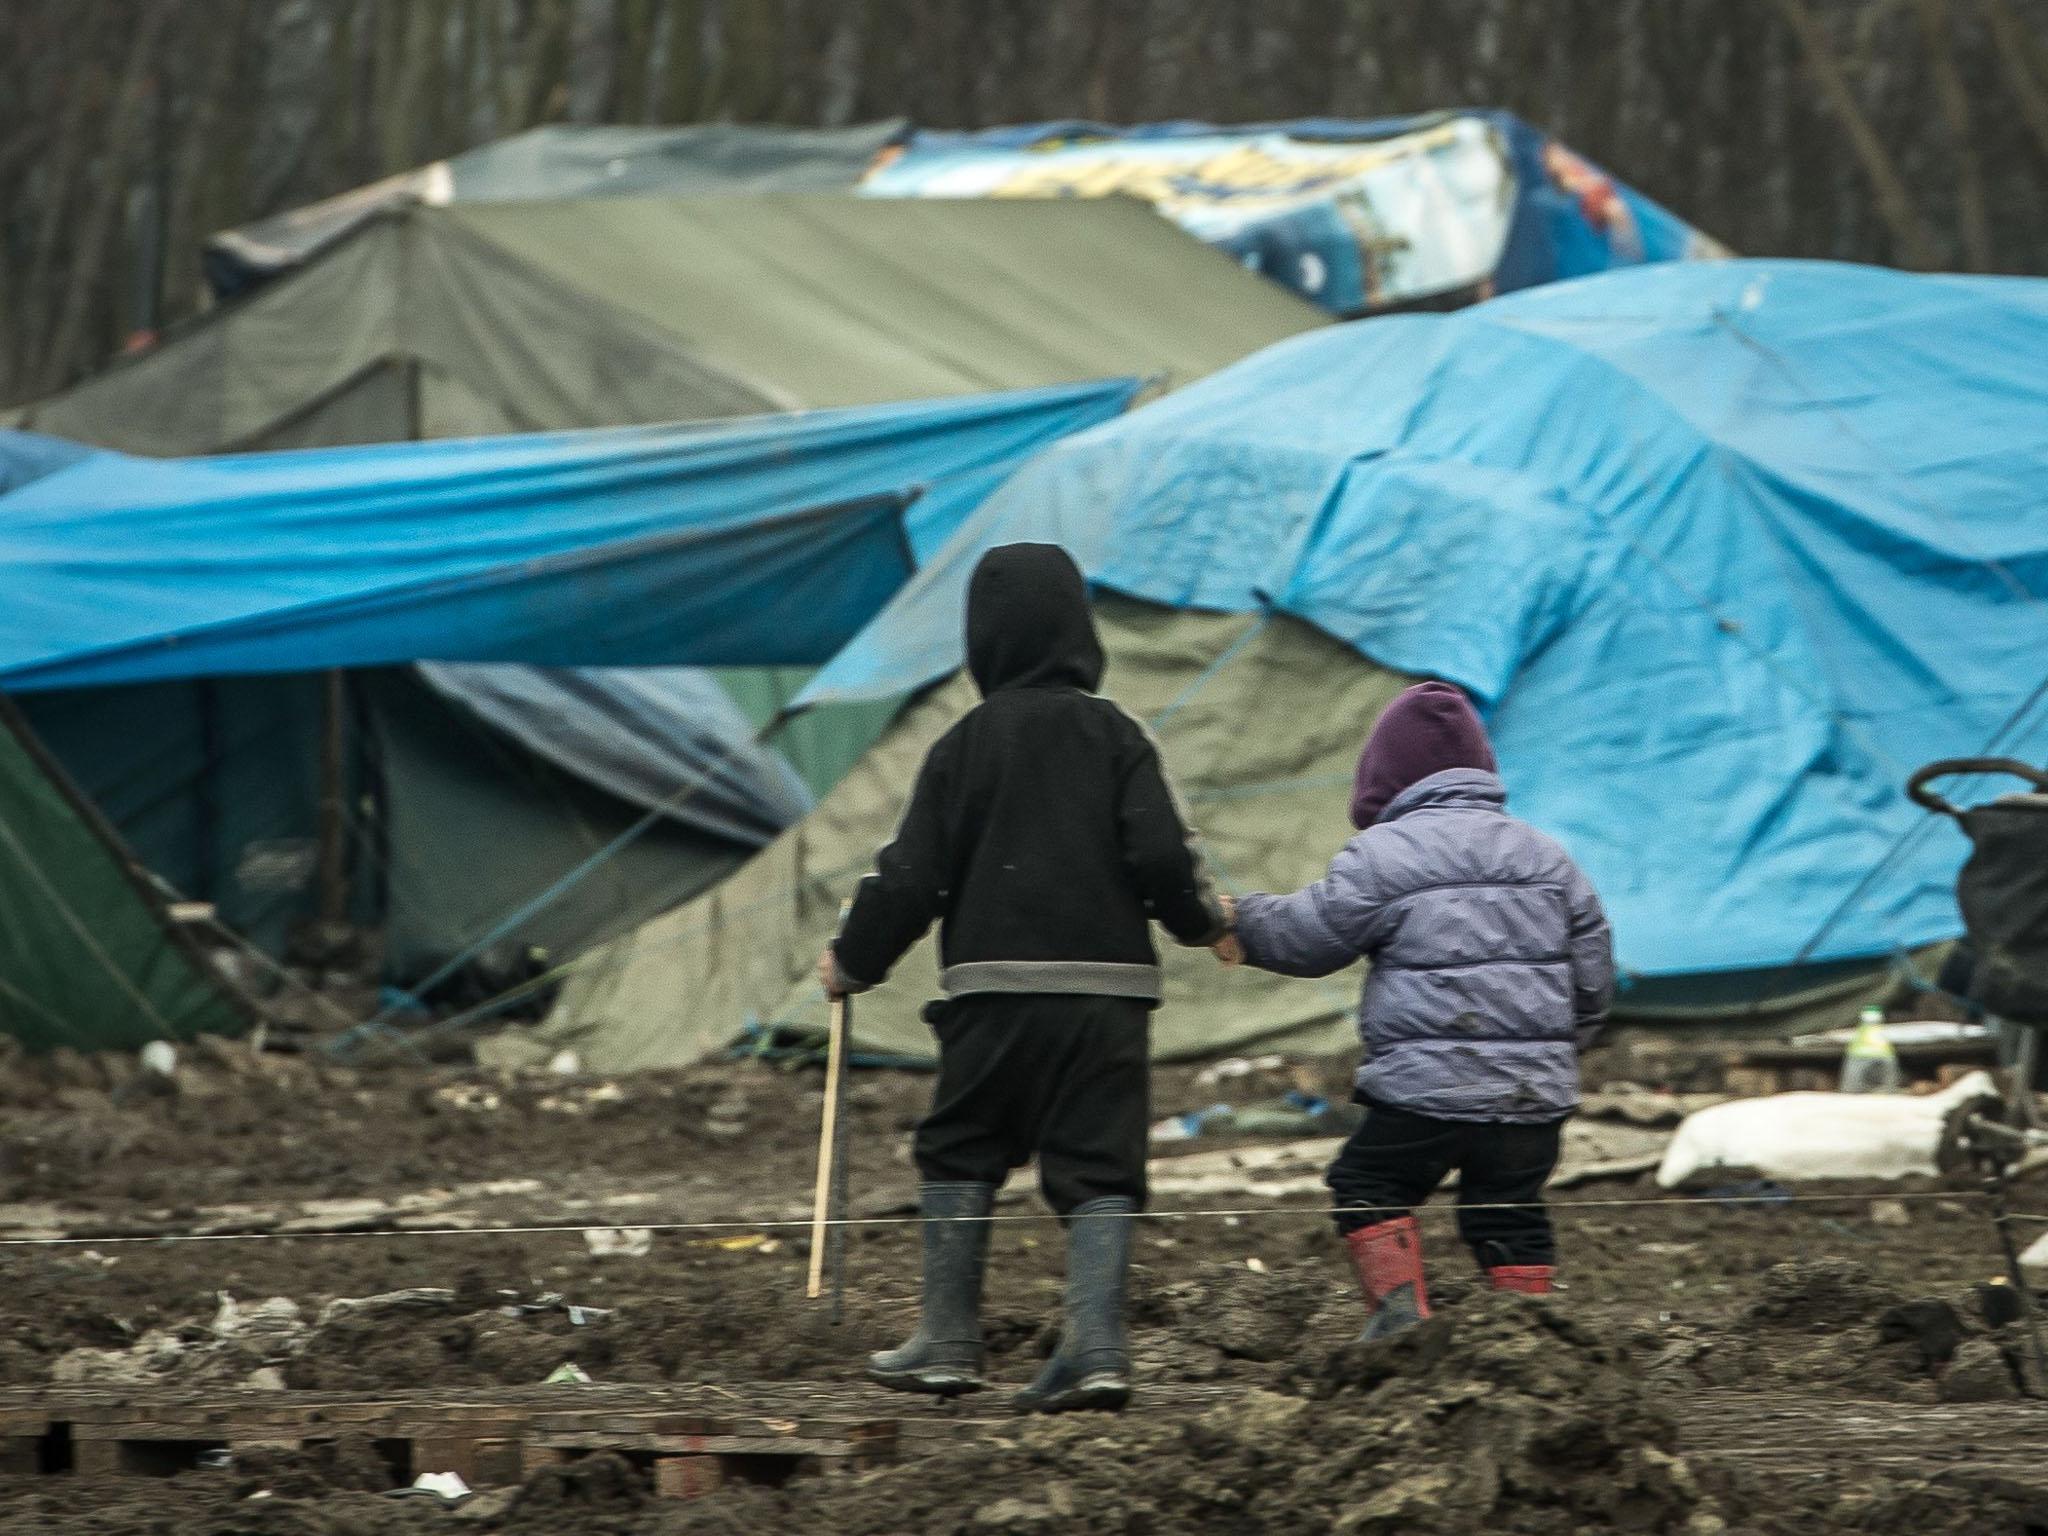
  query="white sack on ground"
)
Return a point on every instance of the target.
[
  {"x": 1795, "y": 1136},
  {"x": 2034, "y": 1262}
]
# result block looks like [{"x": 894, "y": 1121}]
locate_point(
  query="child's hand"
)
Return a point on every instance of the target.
[
  {"x": 828, "y": 974},
  {"x": 1227, "y": 948}
]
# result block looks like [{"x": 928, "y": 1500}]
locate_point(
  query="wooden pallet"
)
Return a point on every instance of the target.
[
  {"x": 690, "y": 1439},
  {"x": 690, "y": 1454}
]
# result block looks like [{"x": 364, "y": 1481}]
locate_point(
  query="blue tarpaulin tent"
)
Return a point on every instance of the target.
[
  {"x": 169, "y": 622},
  {"x": 765, "y": 541},
  {"x": 1724, "y": 550}
]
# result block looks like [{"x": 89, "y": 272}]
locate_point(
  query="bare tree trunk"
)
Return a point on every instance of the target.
[
  {"x": 1102, "y": 30},
  {"x": 2015, "y": 55},
  {"x": 89, "y": 259},
  {"x": 60, "y": 187},
  {"x": 635, "y": 32},
  {"x": 406, "y": 86},
  {"x": 544, "y": 72},
  {"x": 184, "y": 235},
  {"x": 887, "y": 44},
  {"x": 469, "y": 26},
  {"x": 748, "y": 63},
  {"x": 521, "y": 64},
  {"x": 1894, "y": 202},
  {"x": 1955, "y": 110},
  {"x": 430, "y": 39},
  {"x": 9, "y": 338},
  {"x": 224, "y": 196},
  {"x": 341, "y": 99},
  {"x": 390, "y": 106},
  {"x": 682, "y": 86}
]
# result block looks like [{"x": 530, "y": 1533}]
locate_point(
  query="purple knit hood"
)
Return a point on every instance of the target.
[{"x": 1427, "y": 729}]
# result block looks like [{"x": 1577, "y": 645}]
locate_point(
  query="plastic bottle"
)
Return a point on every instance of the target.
[{"x": 1870, "y": 1065}]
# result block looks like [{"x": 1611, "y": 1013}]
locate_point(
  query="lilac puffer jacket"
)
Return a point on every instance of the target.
[{"x": 1491, "y": 960}]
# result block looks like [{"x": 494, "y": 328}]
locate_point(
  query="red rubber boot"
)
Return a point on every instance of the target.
[
  {"x": 1529, "y": 1279},
  {"x": 1387, "y": 1258}
]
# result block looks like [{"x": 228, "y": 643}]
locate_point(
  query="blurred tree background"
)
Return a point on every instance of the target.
[{"x": 1913, "y": 132}]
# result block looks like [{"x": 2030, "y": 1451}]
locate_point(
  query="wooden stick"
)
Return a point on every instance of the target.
[
  {"x": 838, "y": 1235},
  {"x": 829, "y": 1172}
]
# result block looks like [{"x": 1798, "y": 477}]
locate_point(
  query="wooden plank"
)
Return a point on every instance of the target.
[
  {"x": 492, "y": 1436},
  {"x": 703, "y": 1445},
  {"x": 497, "y": 1463},
  {"x": 533, "y": 1457},
  {"x": 480, "y": 1461},
  {"x": 96, "y": 1458},
  {"x": 688, "y": 1477},
  {"x": 646, "y": 1422},
  {"x": 446, "y": 1453},
  {"x": 753, "y": 1445},
  {"x": 352, "y": 1413},
  {"x": 494, "y": 1423}
]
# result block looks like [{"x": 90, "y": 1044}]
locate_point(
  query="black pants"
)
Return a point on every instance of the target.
[
  {"x": 1065, "y": 1079},
  {"x": 1395, "y": 1159}
]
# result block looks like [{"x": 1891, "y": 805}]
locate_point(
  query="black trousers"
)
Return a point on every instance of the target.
[
  {"x": 1396, "y": 1158},
  {"x": 1067, "y": 1080}
]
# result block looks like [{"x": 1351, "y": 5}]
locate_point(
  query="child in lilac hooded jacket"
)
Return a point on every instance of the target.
[{"x": 1492, "y": 969}]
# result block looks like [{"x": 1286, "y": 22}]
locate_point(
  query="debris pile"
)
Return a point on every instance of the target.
[
  {"x": 242, "y": 1343},
  {"x": 1829, "y": 1322},
  {"x": 1505, "y": 1416}
]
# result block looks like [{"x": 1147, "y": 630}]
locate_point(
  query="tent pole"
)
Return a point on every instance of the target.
[{"x": 333, "y": 876}]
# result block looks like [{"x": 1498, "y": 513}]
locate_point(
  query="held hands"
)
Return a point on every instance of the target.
[{"x": 1228, "y": 949}]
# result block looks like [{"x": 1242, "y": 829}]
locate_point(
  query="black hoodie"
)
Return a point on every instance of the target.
[{"x": 1041, "y": 833}]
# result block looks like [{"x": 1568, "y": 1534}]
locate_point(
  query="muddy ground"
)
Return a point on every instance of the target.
[{"x": 1838, "y": 1365}]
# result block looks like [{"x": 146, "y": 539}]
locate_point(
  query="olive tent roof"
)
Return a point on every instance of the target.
[
  {"x": 496, "y": 317},
  {"x": 1358, "y": 215},
  {"x": 562, "y": 160}
]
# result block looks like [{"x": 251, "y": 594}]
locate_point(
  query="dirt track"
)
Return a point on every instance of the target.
[{"x": 1681, "y": 1382}]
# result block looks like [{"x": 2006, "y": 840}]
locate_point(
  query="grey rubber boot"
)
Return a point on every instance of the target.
[
  {"x": 1092, "y": 1366},
  {"x": 944, "y": 1355}
]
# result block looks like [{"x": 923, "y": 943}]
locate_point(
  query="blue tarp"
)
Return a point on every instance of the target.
[
  {"x": 26, "y": 456},
  {"x": 667, "y": 739},
  {"x": 1724, "y": 549},
  {"x": 767, "y": 541},
  {"x": 1357, "y": 215}
]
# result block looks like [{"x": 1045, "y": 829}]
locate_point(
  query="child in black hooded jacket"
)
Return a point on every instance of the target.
[{"x": 1044, "y": 838}]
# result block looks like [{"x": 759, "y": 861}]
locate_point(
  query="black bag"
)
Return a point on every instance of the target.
[{"x": 2003, "y": 887}]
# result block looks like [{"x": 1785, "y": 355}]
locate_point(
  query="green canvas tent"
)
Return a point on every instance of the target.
[
  {"x": 564, "y": 160},
  {"x": 427, "y": 322},
  {"x": 91, "y": 945},
  {"x": 1259, "y": 720},
  {"x": 499, "y": 317}
]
